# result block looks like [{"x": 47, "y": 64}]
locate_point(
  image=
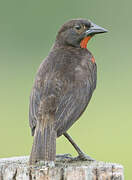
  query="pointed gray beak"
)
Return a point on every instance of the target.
[{"x": 95, "y": 29}]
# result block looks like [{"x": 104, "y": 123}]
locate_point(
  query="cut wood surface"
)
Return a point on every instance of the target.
[{"x": 17, "y": 168}]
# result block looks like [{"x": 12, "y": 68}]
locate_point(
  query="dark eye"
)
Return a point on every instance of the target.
[
  {"x": 88, "y": 25},
  {"x": 78, "y": 27}
]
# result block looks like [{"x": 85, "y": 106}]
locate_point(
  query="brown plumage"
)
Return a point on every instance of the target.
[{"x": 63, "y": 88}]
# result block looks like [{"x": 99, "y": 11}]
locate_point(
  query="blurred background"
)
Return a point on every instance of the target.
[{"x": 27, "y": 31}]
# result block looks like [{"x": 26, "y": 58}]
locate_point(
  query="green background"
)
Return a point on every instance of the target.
[{"x": 27, "y": 31}]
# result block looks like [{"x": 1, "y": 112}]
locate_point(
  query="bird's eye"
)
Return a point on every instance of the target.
[
  {"x": 78, "y": 27},
  {"x": 89, "y": 25}
]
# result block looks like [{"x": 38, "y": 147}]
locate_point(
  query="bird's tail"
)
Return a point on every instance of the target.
[{"x": 44, "y": 145}]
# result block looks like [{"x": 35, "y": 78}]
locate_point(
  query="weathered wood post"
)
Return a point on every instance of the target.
[{"x": 17, "y": 168}]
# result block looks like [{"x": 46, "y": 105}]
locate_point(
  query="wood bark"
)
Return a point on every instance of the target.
[{"x": 17, "y": 168}]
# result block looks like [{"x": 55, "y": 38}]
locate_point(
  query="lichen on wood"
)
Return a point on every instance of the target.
[{"x": 17, "y": 168}]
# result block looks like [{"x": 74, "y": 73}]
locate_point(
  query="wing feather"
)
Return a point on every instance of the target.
[
  {"x": 72, "y": 105},
  {"x": 71, "y": 99}
]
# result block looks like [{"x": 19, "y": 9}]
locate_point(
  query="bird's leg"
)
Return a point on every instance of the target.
[{"x": 82, "y": 155}]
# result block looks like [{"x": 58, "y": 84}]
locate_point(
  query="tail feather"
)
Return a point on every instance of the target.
[{"x": 44, "y": 145}]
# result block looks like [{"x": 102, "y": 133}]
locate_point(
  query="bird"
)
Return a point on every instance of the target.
[{"x": 62, "y": 89}]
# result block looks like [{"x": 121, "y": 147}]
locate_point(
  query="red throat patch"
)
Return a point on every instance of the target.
[
  {"x": 84, "y": 42},
  {"x": 93, "y": 60}
]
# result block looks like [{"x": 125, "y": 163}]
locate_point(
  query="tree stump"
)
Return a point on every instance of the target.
[{"x": 17, "y": 168}]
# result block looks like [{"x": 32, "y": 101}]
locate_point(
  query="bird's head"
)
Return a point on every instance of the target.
[{"x": 78, "y": 32}]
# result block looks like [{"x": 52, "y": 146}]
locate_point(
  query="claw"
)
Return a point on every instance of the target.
[
  {"x": 45, "y": 163},
  {"x": 85, "y": 157},
  {"x": 63, "y": 157}
]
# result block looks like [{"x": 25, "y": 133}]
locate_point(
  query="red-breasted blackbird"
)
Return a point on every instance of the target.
[{"x": 62, "y": 89}]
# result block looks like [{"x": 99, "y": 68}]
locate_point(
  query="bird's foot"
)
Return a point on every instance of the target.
[
  {"x": 63, "y": 157},
  {"x": 84, "y": 157},
  {"x": 41, "y": 163}
]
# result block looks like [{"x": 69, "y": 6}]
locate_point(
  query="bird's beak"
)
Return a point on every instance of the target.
[{"x": 95, "y": 29}]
